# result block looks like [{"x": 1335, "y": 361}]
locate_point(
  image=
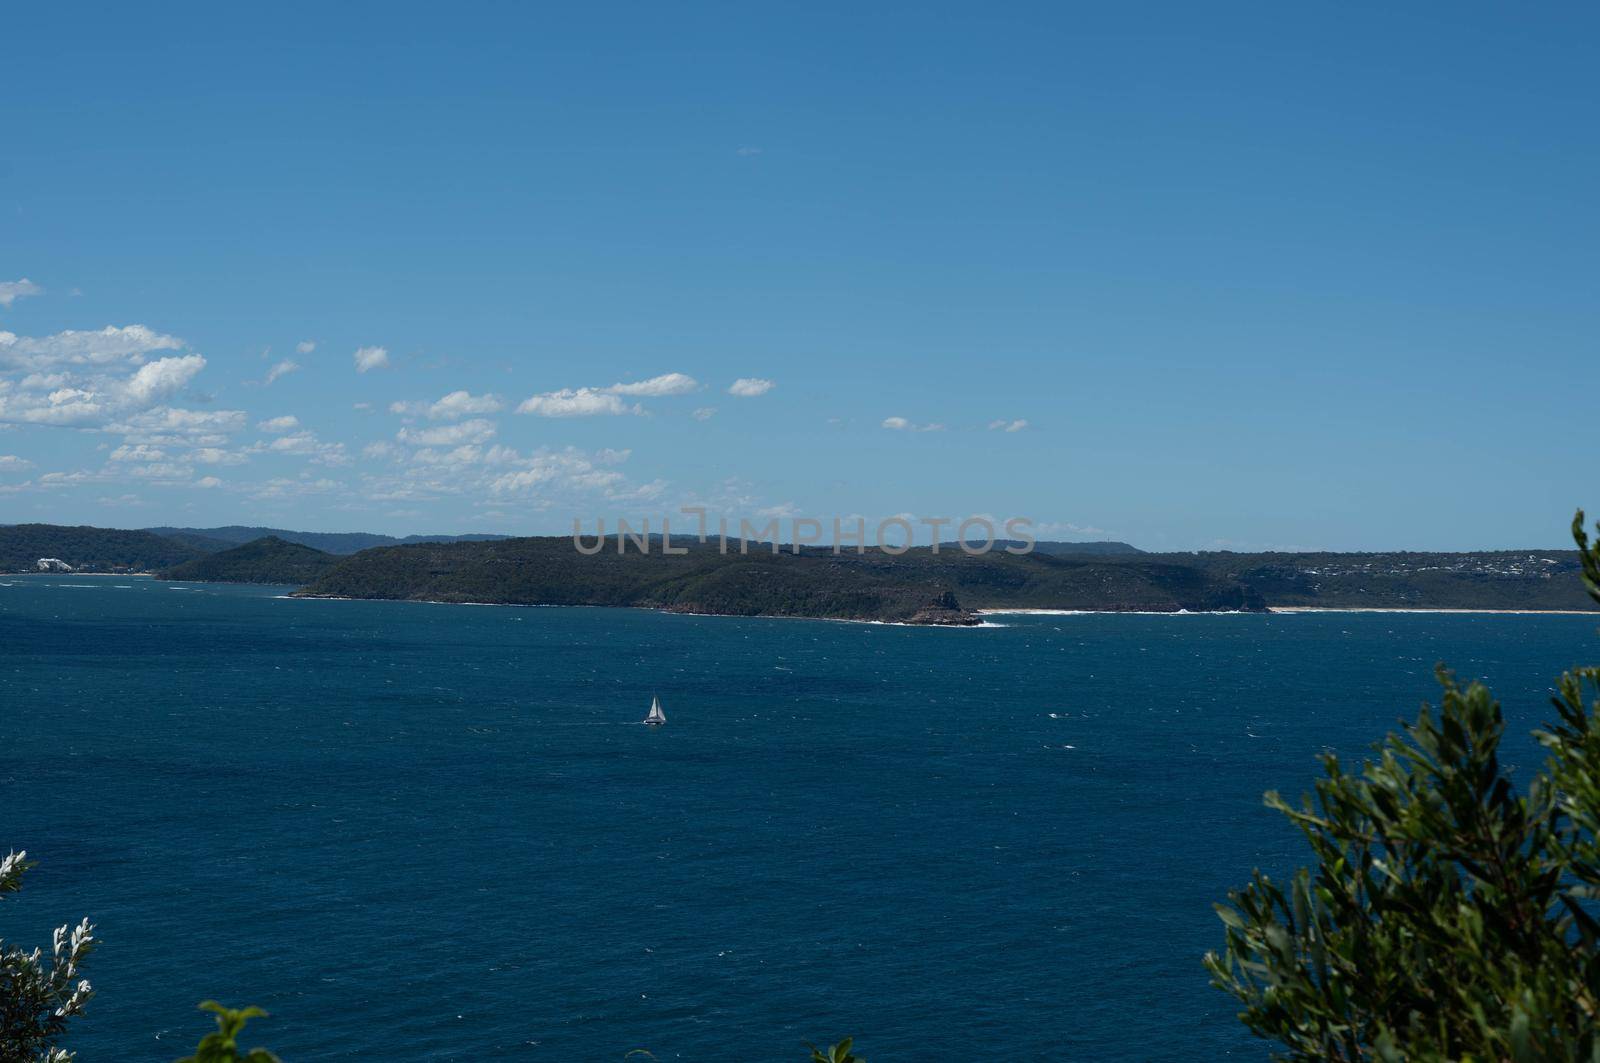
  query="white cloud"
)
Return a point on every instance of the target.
[
  {"x": 370, "y": 358},
  {"x": 474, "y": 431},
  {"x": 163, "y": 472},
  {"x": 283, "y": 368},
  {"x": 567, "y": 470},
  {"x": 305, "y": 346},
  {"x": 287, "y": 423},
  {"x": 208, "y": 481},
  {"x": 44, "y": 381},
  {"x": 138, "y": 452},
  {"x": 91, "y": 379},
  {"x": 656, "y": 386},
  {"x": 169, "y": 425},
  {"x": 1007, "y": 426},
  {"x": 464, "y": 404},
  {"x": 162, "y": 377},
  {"x": 304, "y": 444},
  {"x": 749, "y": 387},
  {"x": 64, "y": 479},
  {"x": 215, "y": 456},
  {"x": 379, "y": 449},
  {"x": 107, "y": 346},
  {"x": 704, "y": 413},
  {"x": 590, "y": 402},
  {"x": 12, "y": 463},
  {"x": 900, "y": 424},
  {"x": 576, "y": 402},
  {"x": 11, "y": 291}
]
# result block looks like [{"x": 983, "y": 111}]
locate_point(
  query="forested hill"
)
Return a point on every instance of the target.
[
  {"x": 918, "y": 586},
  {"x": 327, "y": 542},
  {"x": 943, "y": 587},
  {"x": 88, "y": 549},
  {"x": 1485, "y": 579},
  {"x": 266, "y": 560}
]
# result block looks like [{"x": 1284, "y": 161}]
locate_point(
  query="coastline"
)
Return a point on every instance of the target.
[
  {"x": 640, "y": 608},
  {"x": 1393, "y": 609}
]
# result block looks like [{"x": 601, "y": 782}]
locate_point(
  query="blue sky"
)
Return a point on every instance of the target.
[{"x": 1193, "y": 276}]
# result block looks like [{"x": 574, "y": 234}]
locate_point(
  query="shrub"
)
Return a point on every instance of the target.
[
  {"x": 1448, "y": 916},
  {"x": 38, "y": 996}
]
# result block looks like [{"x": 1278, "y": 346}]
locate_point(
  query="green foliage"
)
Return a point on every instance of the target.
[
  {"x": 839, "y": 1053},
  {"x": 1448, "y": 916},
  {"x": 222, "y": 1046},
  {"x": 38, "y": 997}
]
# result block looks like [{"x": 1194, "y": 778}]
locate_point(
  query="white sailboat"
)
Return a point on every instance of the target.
[{"x": 656, "y": 715}]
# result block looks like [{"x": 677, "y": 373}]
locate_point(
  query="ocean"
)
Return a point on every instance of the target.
[{"x": 428, "y": 832}]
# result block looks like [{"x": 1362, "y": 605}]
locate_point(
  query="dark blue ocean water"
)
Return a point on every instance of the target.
[{"x": 420, "y": 832}]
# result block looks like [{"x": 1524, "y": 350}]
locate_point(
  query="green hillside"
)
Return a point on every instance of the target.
[
  {"x": 916, "y": 586},
  {"x": 88, "y": 549},
  {"x": 266, "y": 560}
]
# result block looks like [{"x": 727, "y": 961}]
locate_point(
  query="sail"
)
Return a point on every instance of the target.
[{"x": 656, "y": 715}]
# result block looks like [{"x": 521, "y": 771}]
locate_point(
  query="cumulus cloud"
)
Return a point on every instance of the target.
[
  {"x": 576, "y": 402},
  {"x": 304, "y": 444},
  {"x": 215, "y": 456},
  {"x": 12, "y": 463},
  {"x": 283, "y": 368},
  {"x": 128, "y": 343},
  {"x": 749, "y": 387},
  {"x": 162, "y": 377},
  {"x": 163, "y": 472},
  {"x": 106, "y": 380},
  {"x": 597, "y": 401},
  {"x": 474, "y": 431},
  {"x": 370, "y": 358},
  {"x": 305, "y": 346},
  {"x": 704, "y": 413},
  {"x": 171, "y": 426},
  {"x": 464, "y": 404},
  {"x": 43, "y": 381},
  {"x": 287, "y": 423},
  {"x": 208, "y": 482},
  {"x": 11, "y": 291},
  {"x": 900, "y": 424},
  {"x": 656, "y": 387},
  {"x": 138, "y": 452},
  {"x": 1003, "y": 425},
  {"x": 569, "y": 469}
]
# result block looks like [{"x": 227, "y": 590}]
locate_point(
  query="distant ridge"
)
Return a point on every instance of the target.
[
  {"x": 327, "y": 542},
  {"x": 1098, "y": 548},
  {"x": 920, "y": 587}
]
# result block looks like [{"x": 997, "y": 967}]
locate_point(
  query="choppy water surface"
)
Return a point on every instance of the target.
[{"x": 439, "y": 833}]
